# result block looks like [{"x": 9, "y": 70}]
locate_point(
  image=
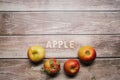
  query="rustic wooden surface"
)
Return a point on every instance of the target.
[
  {"x": 17, "y": 69},
  {"x": 24, "y": 23},
  {"x": 59, "y": 23},
  {"x": 17, "y": 46},
  {"x": 36, "y": 5}
]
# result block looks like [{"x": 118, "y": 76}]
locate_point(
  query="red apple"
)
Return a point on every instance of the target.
[
  {"x": 36, "y": 53},
  {"x": 71, "y": 67},
  {"x": 87, "y": 54},
  {"x": 52, "y": 66}
]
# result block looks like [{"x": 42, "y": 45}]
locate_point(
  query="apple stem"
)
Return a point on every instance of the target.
[
  {"x": 34, "y": 52},
  {"x": 72, "y": 67},
  {"x": 87, "y": 52}
]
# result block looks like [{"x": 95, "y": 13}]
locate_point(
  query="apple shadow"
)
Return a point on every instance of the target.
[
  {"x": 86, "y": 64},
  {"x": 35, "y": 63},
  {"x": 52, "y": 75},
  {"x": 70, "y": 76}
]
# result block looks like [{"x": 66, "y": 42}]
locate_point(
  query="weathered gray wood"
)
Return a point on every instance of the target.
[
  {"x": 59, "y": 23},
  {"x": 36, "y": 5},
  {"x": 22, "y": 69},
  {"x": 17, "y": 46}
]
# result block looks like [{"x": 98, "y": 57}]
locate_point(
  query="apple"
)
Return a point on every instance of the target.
[
  {"x": 36, "y": 53},
  {"x": 71, "y": 67},
  {"x": 87, "y": 54},
  {"x": 52, "y": 66}
]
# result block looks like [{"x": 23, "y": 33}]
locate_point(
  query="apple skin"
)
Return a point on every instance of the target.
[
  {"x": 71, "y": 67},
  {"x": 36, "y": 54},
  {"x": 87, "y": 54},
  {"x": 52, "y": 66}
]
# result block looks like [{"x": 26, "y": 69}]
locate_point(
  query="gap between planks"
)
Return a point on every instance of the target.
[
  {"x": 50, "y": 34},
  {"x": 64, "y": 11},
  {"x": 70, "y": 58}
]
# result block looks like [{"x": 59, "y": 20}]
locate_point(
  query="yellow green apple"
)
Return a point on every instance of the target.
[{"x": 36, "y": 53}]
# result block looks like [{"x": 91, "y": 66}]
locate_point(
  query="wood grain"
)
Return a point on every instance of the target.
[
  {"x": 22, "y": 69},
  {"x": 37, "y": 5},
  {"x": 17, "y": 46},
  {"x": 59, "y": 23},
  {"x": 24, "y": 23}
]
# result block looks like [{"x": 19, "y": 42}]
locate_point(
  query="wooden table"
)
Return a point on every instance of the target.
[{"x": 24, "y": 23}]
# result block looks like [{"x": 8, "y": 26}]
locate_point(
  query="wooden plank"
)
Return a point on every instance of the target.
[
  {"x": 17, "y": 46},
  {"x": 22, "y": 69},
  {"x": 59, "y": 23},
  {"x": 37, "y": 5}
]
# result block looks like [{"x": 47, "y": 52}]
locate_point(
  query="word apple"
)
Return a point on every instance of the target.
[
  {"x": 36, "y": 53},
  {"x": 60, "y": 44},
  {"x": 71, "y": 67},
  {"x": 52, "y": 66},
  {"x": 87, "y": 54}
]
